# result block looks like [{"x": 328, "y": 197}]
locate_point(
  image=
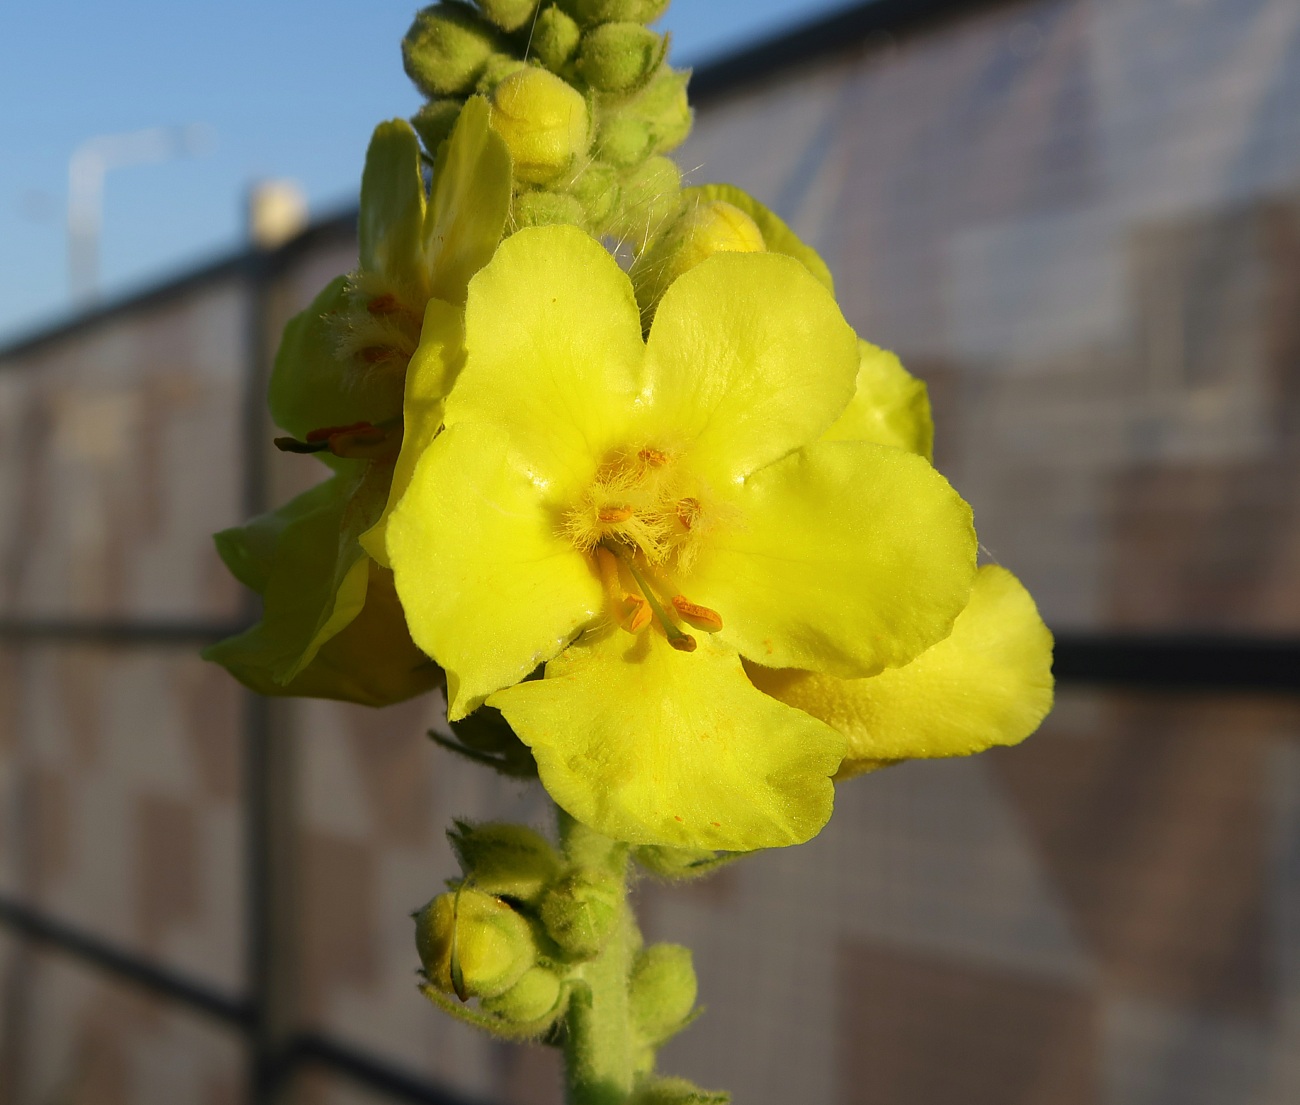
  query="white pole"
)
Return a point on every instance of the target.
[{"x": 87, "y": 167}]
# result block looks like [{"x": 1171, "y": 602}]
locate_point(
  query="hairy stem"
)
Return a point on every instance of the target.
[{"x": 599, "y": 1049}]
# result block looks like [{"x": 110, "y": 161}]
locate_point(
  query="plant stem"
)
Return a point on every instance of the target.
[{"x": 599, "y": 1050}]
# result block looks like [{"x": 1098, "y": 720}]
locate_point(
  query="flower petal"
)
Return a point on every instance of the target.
[
  {"x": 429, "y": 377},
  {"x": 777, "y": 236},
  {"x": 747, "y": 359},
  {"x": 889, "y": 407},
  {"x": 653, "y": 746},
  {"x": 391, "y": 222},
  {"x": 988, "y": 683},
  {"x": 845, "y": 558},
  {"x": 553, "y": 336},
  {"x": 490, "y": 588},
  {"x": 471, "y": 199}
]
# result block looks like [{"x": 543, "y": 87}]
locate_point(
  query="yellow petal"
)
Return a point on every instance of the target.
[
  {"x": 490, "y": 588},
  {"x": 843, "y": 557},
  {"x": 471, "y": 199},
  {"x": 654, "y": 746},
  {"x": 429, "y": 377},
  {"x": 748, "y": 358},
  {"x": 391, "y": 221},
  {"x": 889, "y": 407},
  {"x": 777, "y": 236},
  {"x": 554, "y": 346},
  {"x": 988, "y": 683}
]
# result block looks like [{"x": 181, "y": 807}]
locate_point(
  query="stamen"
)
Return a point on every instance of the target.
[
  {"x": 701, "y": 616},
  {"x": 688, "y": 512},
  {"x": 652, "y": 458},
  {"x": 682, "y": 642},
  {"x": 614, "y": 513},
  {"x": 641, "y": 613},
  {"x": 358, "y": 441},
  {"x": 384, "y": 305}
]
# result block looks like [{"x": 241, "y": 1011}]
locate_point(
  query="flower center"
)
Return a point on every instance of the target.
[{"x": 640, "y": 524}]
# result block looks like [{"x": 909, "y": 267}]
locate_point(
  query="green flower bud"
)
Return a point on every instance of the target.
[
  {"x": 623, "y": 139},
  {"x": 472, "y": 944},
  {"x": 530, "y": 999},
  {"x": 664, "y": 107},
  {"x": 555, "y": 38},
  {"x": 620, "y": 57},
  {"x": 597, "y": 189},
  {"x": 679, "y": 863},
  {"x": 446, "y": 48},
  {"x": 610, "y": 11},
  {"x": 497, "y": 69},
  {"x": 676, "y": 1091},
  {"x": 547, "y": 209},
  {"x": 509, "y": 15},
  {"x": 651, "y": 196},
  {"x": 662, "y": 991},
  {"x": 543, "y": 121},
  {"x": 580, "y": 911},
  {"x": 510, "y": 861},
  {"x": 434, "y": 121}
]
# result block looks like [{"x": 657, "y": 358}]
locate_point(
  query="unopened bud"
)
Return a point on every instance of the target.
[
  {"x": 597, "y": 189},
  {"x": 580, "y": 911},
  {"x": 543, "y": 121},
  {"x": 446, "y": 48},
  {"x": 675, "y": 1091},
  {"x": 665, "y": 109},
  {"x": 509, "y": 15},
  {"x": 624, "y": 139},
  {"x": 434, "y": 122},
  {"x": 610, "y": 11},
  {"x": 472, "y": 944},
  {"x": 662, "y": 990},
  {"x": 620, "y": 57},
  {"x": 651, "y": 195},
  {"x": 510, "y": 861},
  {"x": 528, "y": 1000},
  {"x": 548, "y": 209},
  {"x": 497, "y": 69},
  {"x": 555, "y": 38}
]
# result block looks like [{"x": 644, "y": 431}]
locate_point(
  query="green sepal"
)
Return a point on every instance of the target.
[
  {"x": 486, "y": 737},
  {"x": 581, "y": 911},
  {"x": 392, "y": 210},
  {"x": 661, "y": 991},
  {"x": 675, "y": 1091},
  {"x": 682, "y": 864},
  {"x": 498, "y": 1025},
  {"x": 510, "y": 861}
]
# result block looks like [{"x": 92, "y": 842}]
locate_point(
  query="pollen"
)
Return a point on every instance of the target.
[{"x": 700, "y": 616}]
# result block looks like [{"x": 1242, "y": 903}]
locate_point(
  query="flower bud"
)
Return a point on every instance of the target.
[
  {"x": 675, "y": 1091},
  {"x": 651, "y": 195},
  {"x": 597, "y": 189},
  {"x": 446, "y": 48},
  {"x": 662, "y": 990},
  {"x": 609, "y": 11},
  {"x": 555, "y": 38},
  {"x": 543, "y": 121},
  {"x": 497, "y": 69},
  {"x": 580, "y": 911},
  {"x": 665, "y": 109},
  {"x": 434, "y": 122},
  {"x": 535, "y": 994},
  {"x": 547, "y": 209},
  {"x": 509, "y": 15},
  {"x": 472, "y": 944},
  {"x": 620, "y": 57},
  {"x": 623, "y": 139},
  {"x": 510, "y": 861}
]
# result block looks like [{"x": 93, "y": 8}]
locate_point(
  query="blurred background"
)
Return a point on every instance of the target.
[{"x": 1077, "y": 220}]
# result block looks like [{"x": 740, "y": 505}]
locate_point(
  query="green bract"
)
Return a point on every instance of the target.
[{"x": 330, "y": 624}]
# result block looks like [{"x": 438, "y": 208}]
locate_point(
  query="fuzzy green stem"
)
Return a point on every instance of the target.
[{"x": 599, "y": 1049}]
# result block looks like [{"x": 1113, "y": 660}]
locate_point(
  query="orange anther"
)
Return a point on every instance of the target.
[
  {"x": 384, "y": 305},
  {"x": 688, "y": 512},
  {"x": 327, "y": 432},
  {"x": 652, "y": 458},
  {"x": 641, "y": 613},
  {"x": 683, "y": 642},
  {"x": 696, "y": 614},
  {"x": 374, "y": 354},
  {"x": 614, "y": 513}
]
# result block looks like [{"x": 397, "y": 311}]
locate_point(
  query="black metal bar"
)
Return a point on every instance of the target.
[
  {"x": 94, "y": 631},
  {"x": 1184, "y": 663},
  {"x": 372, "y": 1072},
  {"x": 164, "y": 983}
]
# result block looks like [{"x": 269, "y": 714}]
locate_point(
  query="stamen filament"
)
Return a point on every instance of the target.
[{"x": 682, "y": 642}]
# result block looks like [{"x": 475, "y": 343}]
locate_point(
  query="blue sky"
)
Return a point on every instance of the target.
[{"x": 288, "y": 90}]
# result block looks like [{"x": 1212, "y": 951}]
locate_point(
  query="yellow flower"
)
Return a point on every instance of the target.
[
  {"x": 667, "y": 503},
  {"x": 331, "y": 626}
]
